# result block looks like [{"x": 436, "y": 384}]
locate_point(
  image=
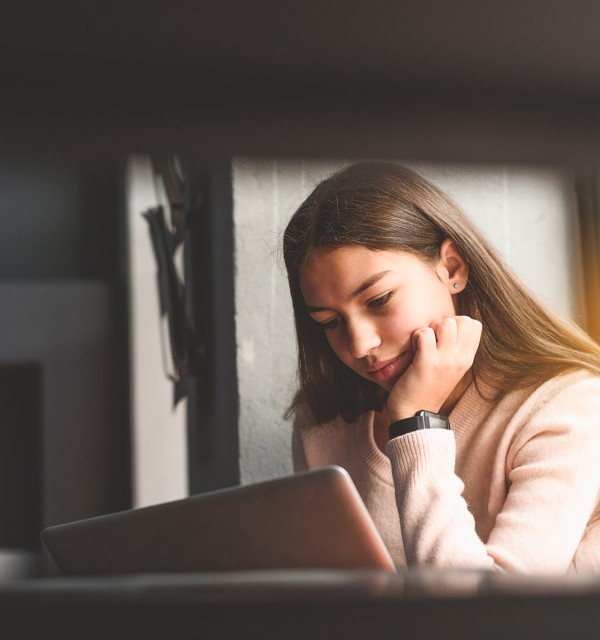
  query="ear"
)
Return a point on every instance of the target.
[{"x": 452, "y": 268}]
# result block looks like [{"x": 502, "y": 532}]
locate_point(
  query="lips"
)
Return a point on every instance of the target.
[{"x": 380, "y": 372}]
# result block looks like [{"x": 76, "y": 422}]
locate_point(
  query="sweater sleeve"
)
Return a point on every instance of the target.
[
  {"x": 437, "y": 528},
  {"x": 553, "y": 482}
]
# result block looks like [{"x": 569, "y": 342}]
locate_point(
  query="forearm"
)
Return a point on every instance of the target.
[{"x": 437, "y": 528}]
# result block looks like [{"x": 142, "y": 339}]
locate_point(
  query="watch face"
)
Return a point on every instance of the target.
[{"x": 433, "y": 420}]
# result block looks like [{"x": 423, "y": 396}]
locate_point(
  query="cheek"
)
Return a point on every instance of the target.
[
  {"x": 396, "y": 324},
  {"x": 400, "y": 326},
  {"x": 338, "y": 345},
  {"x": 429, "y": 304}
]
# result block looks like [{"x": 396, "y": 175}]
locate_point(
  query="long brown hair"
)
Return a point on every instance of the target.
[{"x": 386, "y": 206}]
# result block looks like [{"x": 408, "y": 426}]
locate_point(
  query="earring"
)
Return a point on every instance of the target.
[{"x": 456, "y": 285}]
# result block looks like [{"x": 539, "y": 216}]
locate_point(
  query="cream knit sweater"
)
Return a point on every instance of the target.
[{"x": 512, "y": 487}]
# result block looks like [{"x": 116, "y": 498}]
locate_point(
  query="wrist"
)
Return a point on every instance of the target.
[
  {"x": 401, "y": 413},
  {"x": 421, "y": 420}
]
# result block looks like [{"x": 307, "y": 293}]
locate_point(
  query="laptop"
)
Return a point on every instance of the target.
[{"x": 310, "y": 520}]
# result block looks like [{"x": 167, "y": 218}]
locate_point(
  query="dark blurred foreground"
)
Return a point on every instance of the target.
[
  {"x": 309, "y": 604},
  {"x": 466, "y": 80}
]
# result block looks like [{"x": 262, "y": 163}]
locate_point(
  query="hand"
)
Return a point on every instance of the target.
[{"x": 443, "y": 353}]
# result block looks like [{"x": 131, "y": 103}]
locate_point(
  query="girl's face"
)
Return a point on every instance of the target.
[{"x": 369, "y": 303}]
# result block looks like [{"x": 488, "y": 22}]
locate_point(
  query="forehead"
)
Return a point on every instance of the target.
[
  {"x": 340, "y": 271},
  {"x": 346, "y": 258}
]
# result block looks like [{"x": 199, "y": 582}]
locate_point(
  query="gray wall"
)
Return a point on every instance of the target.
[{"x": 528, "y": 213}]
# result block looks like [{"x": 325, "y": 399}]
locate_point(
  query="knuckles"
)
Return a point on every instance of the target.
[{"x": 456, "y": 342}]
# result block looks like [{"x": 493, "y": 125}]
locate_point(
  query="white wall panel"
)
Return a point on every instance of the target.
[{"x": 159, "y": 440}]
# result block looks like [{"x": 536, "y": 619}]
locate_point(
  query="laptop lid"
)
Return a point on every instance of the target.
[{"x": 310, "y": 520}]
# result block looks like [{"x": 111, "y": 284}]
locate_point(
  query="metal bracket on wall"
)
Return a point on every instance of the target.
[{"x": 185, "y": 358}]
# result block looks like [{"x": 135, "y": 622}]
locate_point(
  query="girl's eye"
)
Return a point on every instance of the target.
[
  {"x": 331, "y": 324},
  {"x": 380, "y": 302},
  {"x": 328, "y": 325}
]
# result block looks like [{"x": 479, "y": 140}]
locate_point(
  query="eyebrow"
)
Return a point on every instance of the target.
[{"x": 369, "y": 282}]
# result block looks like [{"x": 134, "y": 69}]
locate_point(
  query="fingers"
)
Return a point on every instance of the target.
[
  {"x": 461, "y": 330},
  {"x": 447, "y": 332},
  {"x": 476, "y": 330},
  {"x": 457, "y": 337},
  {"x": 468, "y": 338},
  {"x": 423, "y": 340}
]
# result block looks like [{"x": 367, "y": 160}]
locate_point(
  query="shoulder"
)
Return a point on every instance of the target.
[
  {"x": 327, "y": 443},
  {"x": 307, "y": 428},
  {"x": 304, "y": 420},
  {"x": 570, "y": 391},
  {"x": 564, "y": 408}
]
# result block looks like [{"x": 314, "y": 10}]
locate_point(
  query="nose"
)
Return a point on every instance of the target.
[{"x": 363, "y": 337}]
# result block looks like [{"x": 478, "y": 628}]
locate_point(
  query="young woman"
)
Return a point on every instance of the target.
[{"x": 467, "y": 414}]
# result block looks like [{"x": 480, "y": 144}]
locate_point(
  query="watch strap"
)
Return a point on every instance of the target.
[{"x": 421, "y": 420}]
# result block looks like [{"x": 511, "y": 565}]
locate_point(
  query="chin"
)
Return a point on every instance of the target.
[{"x": 387, "y": 385}]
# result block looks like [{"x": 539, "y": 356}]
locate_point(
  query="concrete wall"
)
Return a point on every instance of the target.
[{"x": 528, "y": 214}]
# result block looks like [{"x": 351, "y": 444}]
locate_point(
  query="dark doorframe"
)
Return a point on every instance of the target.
[{"x": 213, "y": 444}]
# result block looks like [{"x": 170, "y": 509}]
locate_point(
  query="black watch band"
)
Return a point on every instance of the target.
[{"x": 421, "y": 420}]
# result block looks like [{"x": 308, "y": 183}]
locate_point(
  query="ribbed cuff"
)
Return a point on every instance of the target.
[{"x": 428, "y": 454}]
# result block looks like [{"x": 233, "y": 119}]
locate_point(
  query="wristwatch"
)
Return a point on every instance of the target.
[{"x": 421, "y": 420}]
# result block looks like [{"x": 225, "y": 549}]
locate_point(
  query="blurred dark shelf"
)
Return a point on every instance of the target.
[{"x": 466, "y": 80}]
